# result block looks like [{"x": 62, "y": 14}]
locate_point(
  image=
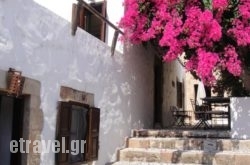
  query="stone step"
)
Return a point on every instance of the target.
[
  {"x": 147, "y": 163},
  {"x": 183, "y": 156},
  {"x": 224, "y": 134},
  {"x": 189, "y": 143}
]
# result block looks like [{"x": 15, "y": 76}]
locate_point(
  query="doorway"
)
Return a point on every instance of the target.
[
  {"x": 158, "y": 93},
  {"x": 11, "y": 127}
]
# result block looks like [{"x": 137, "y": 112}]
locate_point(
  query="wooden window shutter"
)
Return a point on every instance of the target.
[
  {"x": 63, "y": 131},
  {"x": 74, "y": 19},
  {"x": 103, "y": 28},
  {"x": 78, "y": 17},
  {"x": 82, "y": 18},
  {"x": 93, "y": 134}
]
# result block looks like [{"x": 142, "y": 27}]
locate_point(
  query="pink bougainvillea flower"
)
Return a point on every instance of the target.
[
  {"x": 220, "y": 4},
  {"x": 244, "y": 9},
  {"x": 201, "y": 28},
  {"x": 232, "y": 63},
  {"x": 241, "y": 32},
  {"x": 207, "y": 62},
  {"x": 241, "y": 26},
  {"x": 192, "y": 64},
  {"x": 209, "y": 36}
]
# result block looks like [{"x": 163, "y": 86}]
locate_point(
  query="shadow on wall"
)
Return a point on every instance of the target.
[
  {"x": 127, "y": 102},
  {"x": 240, "y": 117}
]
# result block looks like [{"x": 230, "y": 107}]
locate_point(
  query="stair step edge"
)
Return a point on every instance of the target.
[
  {"x": 147, "y": 163},
  {"x": 188, "y": 143},
  {"x": 180, "y": 150}
]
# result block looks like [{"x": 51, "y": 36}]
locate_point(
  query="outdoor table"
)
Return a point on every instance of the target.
[
  {"x": 216, "y": 100},
  {"x": 214, "y": 111}
]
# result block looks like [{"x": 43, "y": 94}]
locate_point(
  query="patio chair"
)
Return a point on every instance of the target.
[
  {"x": 180, "y": 116},
  {"x": 198, "y": 108},
  {"x": 202, "y": 116}
]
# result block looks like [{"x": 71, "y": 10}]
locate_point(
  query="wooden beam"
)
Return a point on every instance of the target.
[{"x": 114, "y": 41}]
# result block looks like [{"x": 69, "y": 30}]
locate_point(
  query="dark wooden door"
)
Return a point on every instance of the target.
[
  {"x": 11, "y": 121},
  {"x": 158, "y": 92}
]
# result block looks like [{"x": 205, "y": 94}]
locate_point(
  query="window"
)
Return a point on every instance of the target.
[
  {"x": 179, "y": 94},
  {"x": 86, "y": 20},
  {"x": 77, "y": 122}
]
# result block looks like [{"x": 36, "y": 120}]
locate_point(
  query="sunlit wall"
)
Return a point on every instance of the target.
[{"x": 35, "y": 38}]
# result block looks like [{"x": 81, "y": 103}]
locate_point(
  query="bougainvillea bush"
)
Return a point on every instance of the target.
[{"x": 214, "y": 34}]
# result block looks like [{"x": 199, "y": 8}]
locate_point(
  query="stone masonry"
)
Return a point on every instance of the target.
[{"x": 184, "y": 147}]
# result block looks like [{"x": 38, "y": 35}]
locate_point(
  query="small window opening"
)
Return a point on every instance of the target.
[{"x": 88, "y": 21}]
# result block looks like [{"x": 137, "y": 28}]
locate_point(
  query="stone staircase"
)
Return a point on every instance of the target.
[{"x": 165, "y": 147}]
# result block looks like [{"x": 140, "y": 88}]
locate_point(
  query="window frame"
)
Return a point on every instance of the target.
[
  {"x": 80, "y": 19},
  {"x": 63, "y": 129}
]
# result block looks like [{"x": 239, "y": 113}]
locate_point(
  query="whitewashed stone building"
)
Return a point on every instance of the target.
[{"x": 36, "y": 39}]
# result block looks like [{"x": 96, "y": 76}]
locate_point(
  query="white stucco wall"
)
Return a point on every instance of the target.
[
  {"x": 37, "y": 41},
  {"x": 240, "y": 117},
  {"x": 115, "y": 10},
  {"x": 173, "y": 71}
]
